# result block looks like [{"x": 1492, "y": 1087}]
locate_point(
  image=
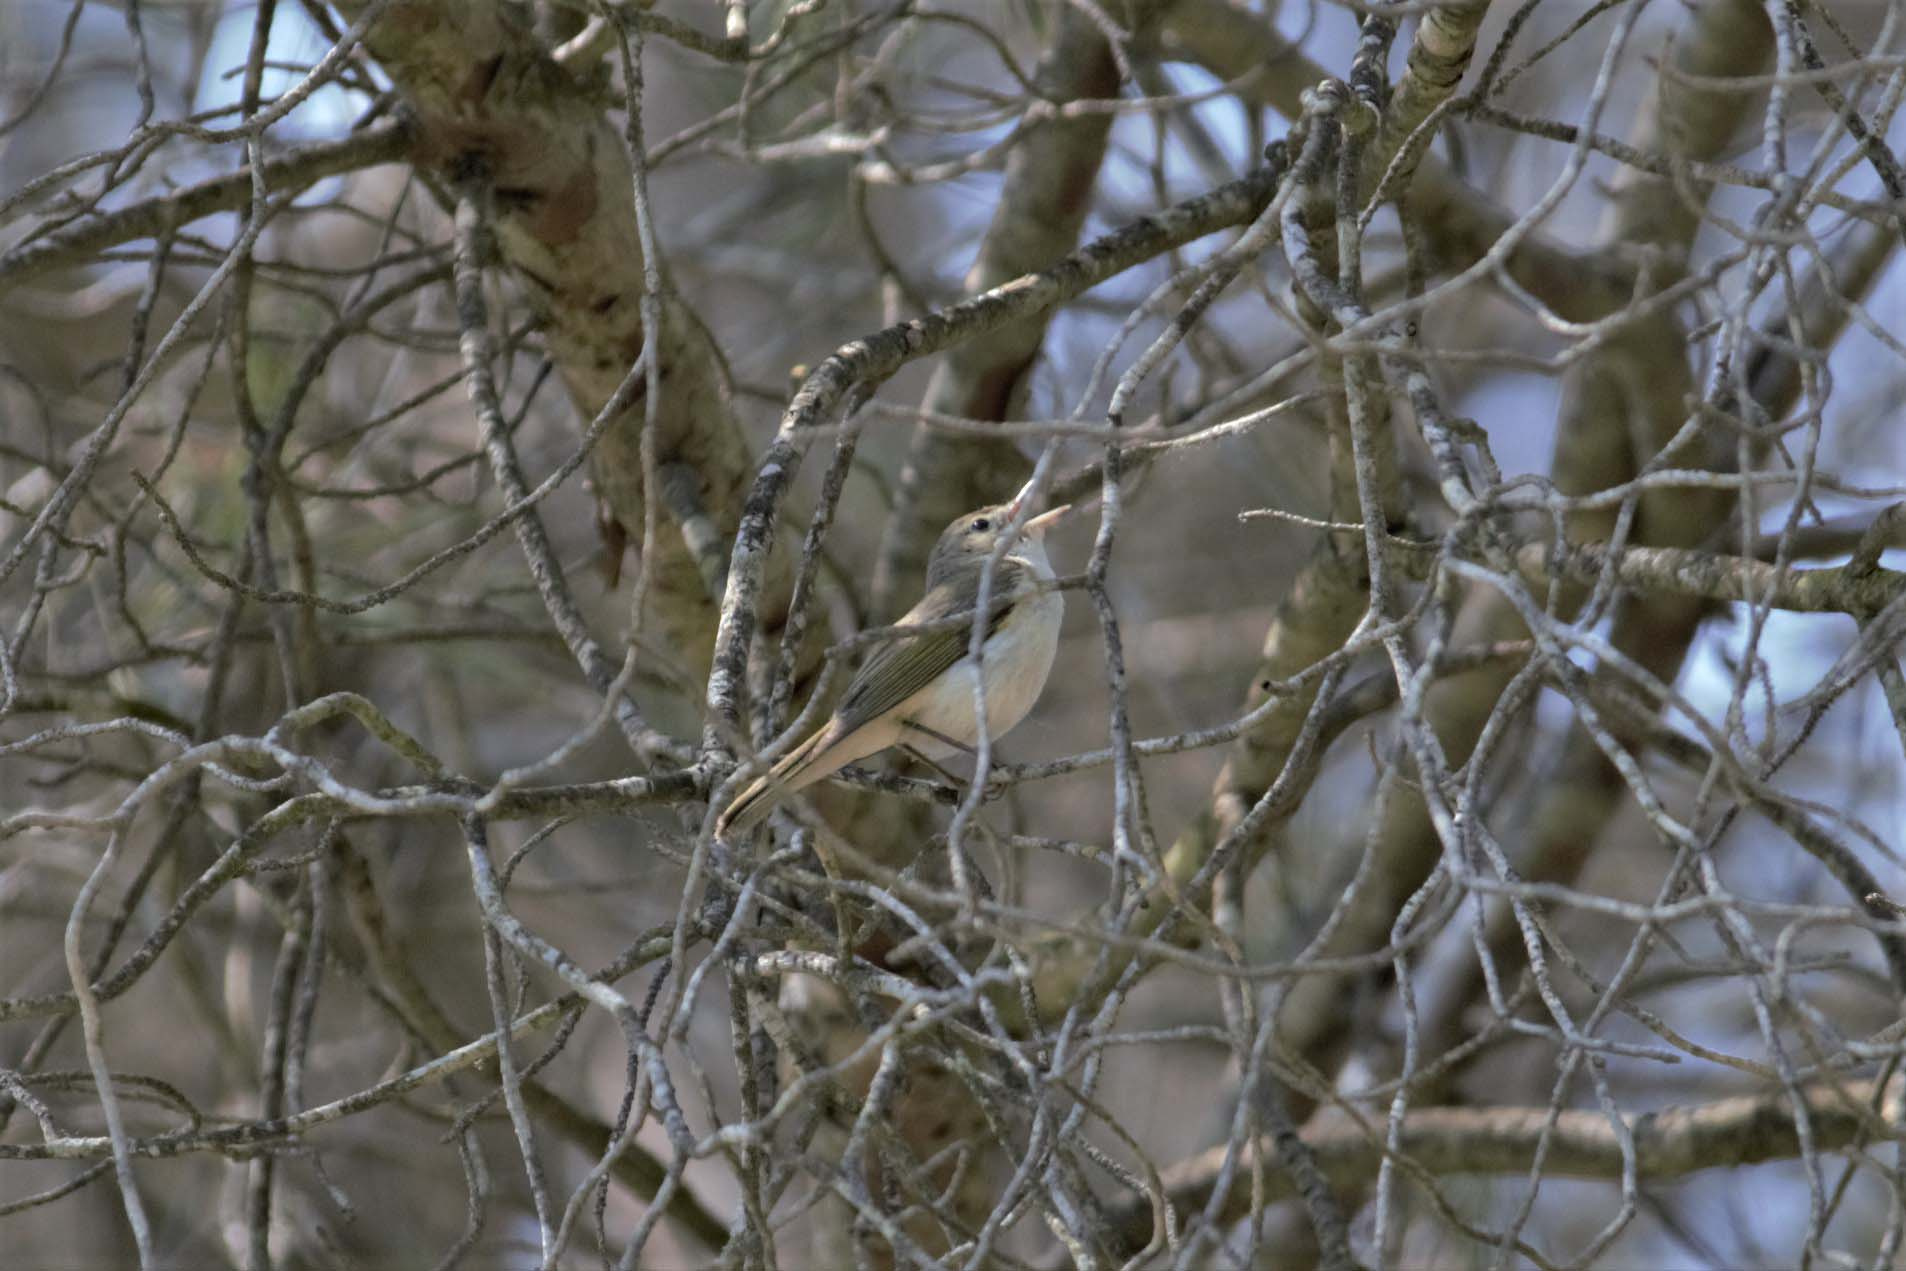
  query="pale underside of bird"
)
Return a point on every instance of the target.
[{"x": 919, "y": 690}]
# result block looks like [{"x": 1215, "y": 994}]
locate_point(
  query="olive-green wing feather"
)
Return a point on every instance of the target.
[{"x": 905, "y": 665}]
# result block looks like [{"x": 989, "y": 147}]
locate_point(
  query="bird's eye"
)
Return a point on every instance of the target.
[{"x": 982, "y": 524}]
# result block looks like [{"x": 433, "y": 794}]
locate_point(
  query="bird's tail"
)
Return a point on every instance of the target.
[{"x": 789, "y": 774}]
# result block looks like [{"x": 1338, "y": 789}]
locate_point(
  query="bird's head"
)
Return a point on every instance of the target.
[{"x": 970, "y": 539}]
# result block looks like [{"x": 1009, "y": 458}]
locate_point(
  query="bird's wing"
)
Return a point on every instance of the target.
[{"x": 906, "y": 664}]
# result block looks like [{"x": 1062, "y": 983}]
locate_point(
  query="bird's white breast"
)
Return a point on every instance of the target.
[{"x": 1017, "y": 659}]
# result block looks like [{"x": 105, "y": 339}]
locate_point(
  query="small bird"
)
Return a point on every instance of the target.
[{"x": 919, "y": 689}]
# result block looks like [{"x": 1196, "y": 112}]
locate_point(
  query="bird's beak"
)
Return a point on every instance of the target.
[
  {"x": 1038, "y": 524},
  {"x": 1044, "y": 521}
]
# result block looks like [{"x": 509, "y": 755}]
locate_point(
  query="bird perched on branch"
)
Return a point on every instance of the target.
[{"x": 918, "y": 689}]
